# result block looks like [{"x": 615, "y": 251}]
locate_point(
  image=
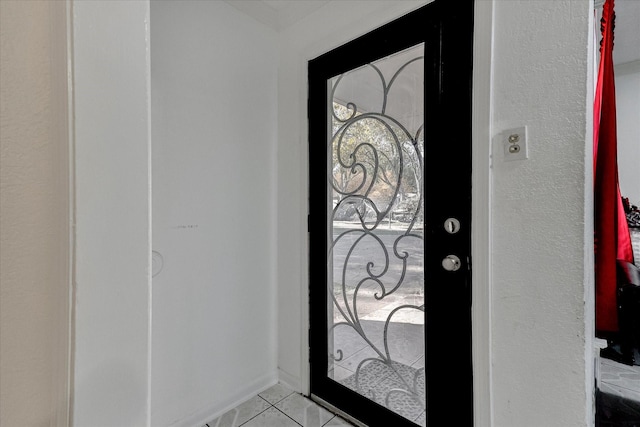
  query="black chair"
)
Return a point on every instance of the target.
[{"x": 629, "y": 311}]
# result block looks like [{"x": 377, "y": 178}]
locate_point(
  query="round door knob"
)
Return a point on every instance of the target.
[{"x": 451, "y": 263}]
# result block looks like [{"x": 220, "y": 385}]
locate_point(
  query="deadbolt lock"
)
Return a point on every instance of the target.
[{"x": 452, "y": 225}]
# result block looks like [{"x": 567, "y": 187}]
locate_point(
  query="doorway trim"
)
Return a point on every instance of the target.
[{"x": 481, "y": 131}]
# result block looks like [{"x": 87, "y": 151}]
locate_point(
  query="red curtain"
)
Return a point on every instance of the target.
[{"x": 612, "y": 238}]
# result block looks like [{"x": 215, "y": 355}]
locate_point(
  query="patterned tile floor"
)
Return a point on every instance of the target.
[{"x": 278, "y": 406}]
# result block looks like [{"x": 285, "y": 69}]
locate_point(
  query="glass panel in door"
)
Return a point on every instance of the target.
[{"x": 376, "y": 335}]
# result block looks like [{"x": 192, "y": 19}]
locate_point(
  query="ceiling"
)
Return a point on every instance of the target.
[{"x": 280, "y": 14}]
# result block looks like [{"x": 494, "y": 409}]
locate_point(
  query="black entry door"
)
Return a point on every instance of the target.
[{"x": 389, "y": 221}]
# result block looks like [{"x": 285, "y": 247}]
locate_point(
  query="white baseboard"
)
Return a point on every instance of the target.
[
  {"x": 290, "y": 381},
  {"x": 203, "y": 416}
]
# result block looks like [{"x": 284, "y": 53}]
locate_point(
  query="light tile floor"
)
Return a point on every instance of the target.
[
  {"x": 620, "y": 379},
  {"x": 278, "y": 406}
]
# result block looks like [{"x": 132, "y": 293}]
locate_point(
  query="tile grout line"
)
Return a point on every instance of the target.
[
  {"x": 281, "y": 411},
  {"x": 285, "y": 414},
  {"x": 265, "y": 409},
  {"x": 271, "y": 405}
]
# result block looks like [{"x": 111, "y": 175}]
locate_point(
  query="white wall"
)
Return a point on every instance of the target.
[
  {"x": 542, "y": 317},
  {"x": 214, "y": 127},
  {"x": 35, "y": 273},
  {"x": 111, "y": 76},
  {"x": 628, "y": 121}
]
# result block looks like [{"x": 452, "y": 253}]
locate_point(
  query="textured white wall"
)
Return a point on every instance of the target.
[
  {"x": 111, "y": 76},
  {"x": 540, "y": 321},
  {"x": 35, "y": 275},
  {"x": 214, "y": 126}
]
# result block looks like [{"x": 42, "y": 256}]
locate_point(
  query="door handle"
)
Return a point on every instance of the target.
[{"x": 451, "y": 263}]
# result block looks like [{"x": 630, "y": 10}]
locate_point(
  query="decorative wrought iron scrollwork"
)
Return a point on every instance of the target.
[{"x": 376, "y": 178}]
